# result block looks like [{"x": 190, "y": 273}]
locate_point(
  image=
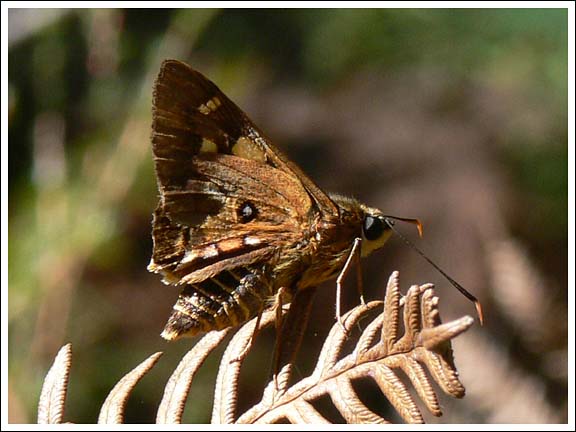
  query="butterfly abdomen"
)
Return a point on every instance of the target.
[{"x": 226, "y": 300}]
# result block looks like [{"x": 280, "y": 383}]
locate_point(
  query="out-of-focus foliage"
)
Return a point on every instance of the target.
[{"x": 458, "y": 117}]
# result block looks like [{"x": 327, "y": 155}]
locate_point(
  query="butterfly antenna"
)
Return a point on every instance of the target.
[
  {"x": 416, "y": 222},
  {"x": 455, "y": 284}
]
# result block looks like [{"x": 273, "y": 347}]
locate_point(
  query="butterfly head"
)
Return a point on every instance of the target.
[
  {"x": 376, "y": 230},
  {"x": 368, "y": 223}
]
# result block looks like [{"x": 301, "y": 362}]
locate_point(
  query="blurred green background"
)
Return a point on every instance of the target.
[{"x": 458, "y": 117}]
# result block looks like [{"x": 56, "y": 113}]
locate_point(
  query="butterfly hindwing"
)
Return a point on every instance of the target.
[{"x": 198, "y": 226}]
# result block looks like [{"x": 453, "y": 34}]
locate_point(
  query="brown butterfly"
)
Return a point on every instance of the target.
[{"x": 237, "y": 220}]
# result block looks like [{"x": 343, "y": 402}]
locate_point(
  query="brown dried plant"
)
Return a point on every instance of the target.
[{"x": 406, "y": 336}]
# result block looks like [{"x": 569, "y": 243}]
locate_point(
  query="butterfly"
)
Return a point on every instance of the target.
[{"x": 237, "y": 220}]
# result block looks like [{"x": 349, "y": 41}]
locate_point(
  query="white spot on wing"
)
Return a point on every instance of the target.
[
  {"x": 251, "y": 241},
  {"x": 189, "y": 257},
  {"x": 210, "y": 251}
]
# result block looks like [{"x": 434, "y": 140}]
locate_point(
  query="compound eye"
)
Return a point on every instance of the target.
[{"x": 373, "y": 227}]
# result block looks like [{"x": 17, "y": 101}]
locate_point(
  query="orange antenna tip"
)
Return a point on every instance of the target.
[
  {"x": 420, "y": 228},
  {"x": 479, "y": 312},
  {"x": 412, "y": 221}
]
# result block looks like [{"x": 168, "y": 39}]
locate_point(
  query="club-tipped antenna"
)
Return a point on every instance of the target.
[
  {"x": 416, "y": 222},
  {"x": 456, "y": 285}
]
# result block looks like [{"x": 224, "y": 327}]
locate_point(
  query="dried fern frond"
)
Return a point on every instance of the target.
[
  {"x": 176, "y": 390},
  {"x": 55, "y": 387},
  {"x": 425, "y": 342},
  {"x": 112, "y": 411},
  {"x": 288, "y": 345},
  {"x": 406, "y": 336}
]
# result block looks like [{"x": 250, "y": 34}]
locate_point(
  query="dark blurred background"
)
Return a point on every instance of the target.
[{"x": 457, "y": 117}]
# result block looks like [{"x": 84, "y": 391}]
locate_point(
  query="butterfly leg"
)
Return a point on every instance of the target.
[
  {"x": 359, "y": 281},
  {"x": 289, "y": 339},
  {"x": 278, "y": 302},
  {"x": 250, "y": 342},
  {"x": 355, "y": 251}
]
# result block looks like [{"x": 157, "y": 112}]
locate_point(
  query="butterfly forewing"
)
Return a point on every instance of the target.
[
  {"x": 192, "y": 116},
  {"x": 229, "y": 203}
]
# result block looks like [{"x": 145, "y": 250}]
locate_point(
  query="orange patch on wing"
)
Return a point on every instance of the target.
[
  {"x": 229, "y": 245},
  {"x": 248, "y": 149}
]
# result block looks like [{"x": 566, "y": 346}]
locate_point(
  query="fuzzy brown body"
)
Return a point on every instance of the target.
[{"x": 236, "y": 219}]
